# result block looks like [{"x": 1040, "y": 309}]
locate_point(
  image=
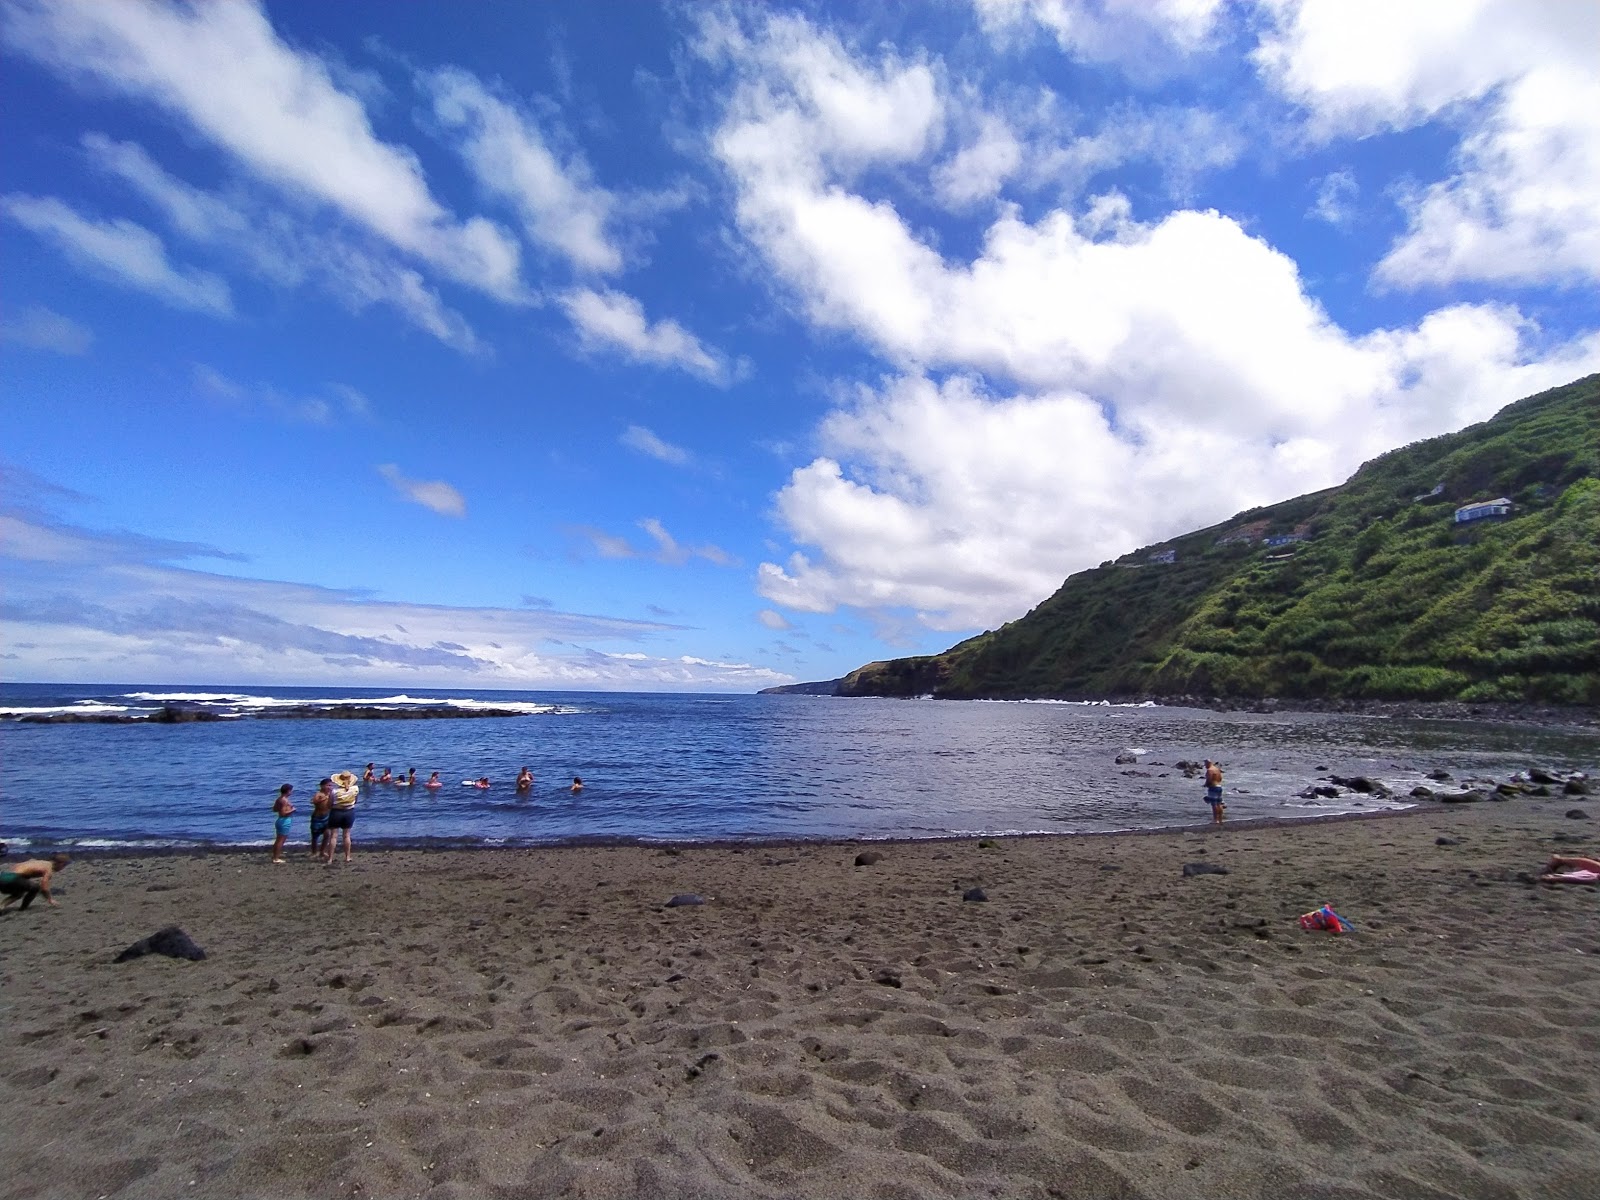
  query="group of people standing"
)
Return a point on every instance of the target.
[
  {"x": 333, "y": 807},
  {"x": 333, "y": 817}
]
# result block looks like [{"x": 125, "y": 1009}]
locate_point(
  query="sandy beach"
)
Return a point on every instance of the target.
[{"x": 536, "y": 1023}]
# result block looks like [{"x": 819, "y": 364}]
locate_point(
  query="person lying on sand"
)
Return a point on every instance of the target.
[
  {"x": 25, "y": 880},
  {"x": 1565, "y": 868}
]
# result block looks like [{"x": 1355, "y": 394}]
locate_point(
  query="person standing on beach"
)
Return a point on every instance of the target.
[
  {"x": 25, "y": 880},
  {"x": 342, "y": 819},
  {"x": 281, "y": 808},
  {"x": 321, "y": 803},
  {"x": 1214, "y": 791}
]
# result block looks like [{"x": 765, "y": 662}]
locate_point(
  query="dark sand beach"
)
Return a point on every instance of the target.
[{"x": 536, "y": 1023}]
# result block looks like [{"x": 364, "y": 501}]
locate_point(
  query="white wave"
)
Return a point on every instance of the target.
[
  {"x": 80, "y": 706},
  {"x": 191, "y": 697}
]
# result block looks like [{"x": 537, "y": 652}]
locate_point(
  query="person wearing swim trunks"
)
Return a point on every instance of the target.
[
  {"x": 321, "y": 802},
  {"x": 341, "y": 821},
  {"x": 26, "y": 880},
  {"x": 281, "y": 808},
  {"x": 1214, "y": 791}
]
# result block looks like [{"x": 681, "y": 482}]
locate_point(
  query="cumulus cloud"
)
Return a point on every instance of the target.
[
  {"x": 223, "y": 72},
  {"x": 80, "y": 601},
  {"x": 40, "y": 328},
  {"x": 1523, "y": 204},
  {"x": 1101, "y": 367},
  {"x": 611, "y": 320},
  {"x": 1336, "y": 198},
  {"x": 120, "y": 251},
  {"x": 435, "y": 494},
  {"x": 562, "y": 209},
  {"x": 637, "y": 437}
]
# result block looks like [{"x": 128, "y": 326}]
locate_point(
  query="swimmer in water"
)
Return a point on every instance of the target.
[
  {"x": 433, "y": 781},
  {"x": 411, "y": 776},
  {"x": 525, "y": 780},
  {"x": 386, "y": 777},
  {"x": 577, "y": 785},
  {"x": 367, "y": 776},
  {"x": 483, "y": 781}
]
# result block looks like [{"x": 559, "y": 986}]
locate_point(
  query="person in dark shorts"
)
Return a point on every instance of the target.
[
  {"x": 1214, "y": 791},
  {"x": 26, "y": 880},
  {"x": 321, "y": 803},
  {"x": 342, "y": 819}
]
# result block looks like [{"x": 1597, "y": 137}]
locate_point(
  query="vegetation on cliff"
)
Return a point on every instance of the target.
[{"x": 1370, "y": 590}]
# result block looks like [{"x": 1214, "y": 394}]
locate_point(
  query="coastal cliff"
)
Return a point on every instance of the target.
[{"x": 1465, "y": 568}]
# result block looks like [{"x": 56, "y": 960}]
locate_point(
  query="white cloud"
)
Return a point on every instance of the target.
[
  {"x": 439, "y": 496},
  {"x": 222, "y": 70},
  {"x": 611, "y": 320},
  {"x": 1524, "y": 202},
  {"x": 561, "y": 207},
  {"x": 979, "y": 169},
  {"x": 1125, "y": 31},
  {"x": 276, "y": 249},
  {"x": 120, "y": 251},
  {"x": 80, "y": 604},
  {"x": 1336, "y": 198},
  {"x": 1165, "y": 374},
  {"x": 665, "y": 548},
  {"x": 637, "y": 437},
  {"x": 40, "y": 328},
  {"x": 773, "y": 619},
  {"x": 340, "y": 401}
]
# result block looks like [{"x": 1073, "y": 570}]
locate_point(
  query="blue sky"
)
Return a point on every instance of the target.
[{"x": 697, "y": 347}]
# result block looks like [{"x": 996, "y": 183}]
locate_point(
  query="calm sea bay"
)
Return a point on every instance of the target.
[{"x": 701, "y": 767}]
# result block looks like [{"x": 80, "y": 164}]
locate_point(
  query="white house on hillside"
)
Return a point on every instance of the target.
[{"x": 1483, "y": 508}]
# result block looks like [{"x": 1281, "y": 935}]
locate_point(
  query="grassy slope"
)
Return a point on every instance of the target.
[{"x": 1386, "y": 598}]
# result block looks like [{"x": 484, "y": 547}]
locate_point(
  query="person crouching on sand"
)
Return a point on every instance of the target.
[
  {"x": 1568, "y": 868},
  {"x": 281, "y": 808},
  {"x": 25, "y": 880},
  {"x": 1214, "y": 791}
]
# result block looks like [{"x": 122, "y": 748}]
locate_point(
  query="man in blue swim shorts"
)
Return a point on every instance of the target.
[
  {"x": 1214, "y": 791},
  {"x": 281, "y": 809}
]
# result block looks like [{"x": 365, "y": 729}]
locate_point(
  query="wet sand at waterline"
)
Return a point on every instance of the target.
[{"x": 528, "y": 1023}]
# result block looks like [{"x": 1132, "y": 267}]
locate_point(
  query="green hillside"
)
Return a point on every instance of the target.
[{"x": 1384, "y": 597}]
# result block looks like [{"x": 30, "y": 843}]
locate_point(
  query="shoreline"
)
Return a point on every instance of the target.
[
  {"x": 541, "y": 1023},
  {"x": 1580, "y": 716},
  {"x": 381, "y": 845}
]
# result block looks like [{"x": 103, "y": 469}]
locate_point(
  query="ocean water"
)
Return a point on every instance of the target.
[{"x": 700, "y": 767}]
